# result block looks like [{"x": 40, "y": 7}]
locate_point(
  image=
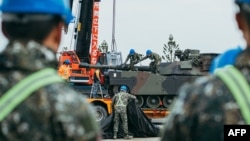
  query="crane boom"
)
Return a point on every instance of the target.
[{"x": 95, "y": 26}]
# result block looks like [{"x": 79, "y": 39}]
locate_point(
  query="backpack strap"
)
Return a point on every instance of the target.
[
  {"x": 23, "y": 89},
  {"x": 119, "y": 101},
  {"x": 239, "y": 88}
]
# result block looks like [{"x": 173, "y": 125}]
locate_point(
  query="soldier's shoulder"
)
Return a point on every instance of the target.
[
  {"x": 67, "y": 99},
  {"x": 130, "y": 94},
  {"x": 63, "y": 91},
  {"x": 200, "y": 86}
]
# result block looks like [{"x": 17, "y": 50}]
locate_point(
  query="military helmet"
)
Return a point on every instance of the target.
[
  {"x": 123, "y": 88},
  {"x": 171, "y": 37},
  {"x": 67, "y": 62},
  {"x": 56, "y": 7},
  {"x": 148, "y": 52},
  {"x": 132, "y": 52},
  {"x": 242, "y": 1}
]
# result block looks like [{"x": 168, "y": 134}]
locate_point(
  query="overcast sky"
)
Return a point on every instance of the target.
[{"x": 207, "y": 25}]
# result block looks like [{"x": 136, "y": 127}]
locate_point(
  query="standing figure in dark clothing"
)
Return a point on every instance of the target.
[
  {"x": 97, "y": 81},
  {"x": 120, "y": 102},
  {"x": 155, "y": 60},
  {"x": 134, "y": 59}
]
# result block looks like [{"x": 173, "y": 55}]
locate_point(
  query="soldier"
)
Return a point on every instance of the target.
[
  {"x": 64, "y": 70},
  {"x": 155, "y": 60},
  {"x": 97, "y": 81},
  {"x": 35, "y": 103},
  {"x": 120, "y": 102},
  {"x": 134, "y": 59},
  {"x": 205, "y": 106},
  {"x": 228, "y": 57}
]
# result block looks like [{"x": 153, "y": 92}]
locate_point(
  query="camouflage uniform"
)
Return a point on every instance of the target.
[
  {"x": 96, "y": 83},
  {"x": 204, "y": 107},
  {"x": 156, "y": 60},
  {"x": 52, "y": 113},
  {"x": 134, "y": 59},
  {"x": 120, "y": 102}
]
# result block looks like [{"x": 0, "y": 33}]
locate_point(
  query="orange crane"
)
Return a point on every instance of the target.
[
  {"x": 85, "y": 41},
  {"x": 154, "y": 92},
  {"x": 83, "y": 49}
]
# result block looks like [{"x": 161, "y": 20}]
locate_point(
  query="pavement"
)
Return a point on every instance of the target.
[
  {"x": 136, "y": 139},
  {"x": 158, "y": 122}
]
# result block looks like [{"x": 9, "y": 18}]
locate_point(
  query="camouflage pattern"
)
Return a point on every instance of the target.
[
  {"x": 120, "y": 101},
  {"x": 157, "y": 91},
  {"x": 95, "y": 87},
  {"x": 96, "y": 84},
  {"x": 52, "y": 113},
  {"x": 204, "y": 107},
  {"x": 156, "y": 60},
  {"x": 170, "y": 77},
  {"x": 153, "y": 89},
  {"x": 134, "y": 59}
]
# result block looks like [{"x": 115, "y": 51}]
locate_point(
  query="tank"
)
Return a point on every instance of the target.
[{"x": 157, "y": 91}]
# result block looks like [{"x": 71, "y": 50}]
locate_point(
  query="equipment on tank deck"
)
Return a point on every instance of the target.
[
  {"x": 155, "y": 92},
  {"x": 158, "y": 90}
]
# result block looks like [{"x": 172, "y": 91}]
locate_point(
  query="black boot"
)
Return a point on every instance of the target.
[
  {"x": 127, "y": 137},
  {"x": 115, "y": 135}
]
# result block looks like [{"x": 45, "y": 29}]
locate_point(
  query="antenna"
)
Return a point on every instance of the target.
[{"x": 113, "y": 43}]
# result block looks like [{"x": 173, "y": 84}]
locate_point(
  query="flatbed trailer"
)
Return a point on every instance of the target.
[{"x": 103, "y": 108}]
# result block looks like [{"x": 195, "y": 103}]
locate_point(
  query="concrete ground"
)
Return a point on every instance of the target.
[
  {"x": 157, "y": 121},
  {"x": 136, "y": 139}
]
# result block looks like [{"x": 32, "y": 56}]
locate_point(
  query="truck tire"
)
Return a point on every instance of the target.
[{"x": 101, "y": 113}]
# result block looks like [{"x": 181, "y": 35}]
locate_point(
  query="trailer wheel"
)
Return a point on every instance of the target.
[{"x": 101, "y": 113}]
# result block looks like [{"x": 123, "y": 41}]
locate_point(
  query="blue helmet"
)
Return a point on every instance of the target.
[
  {"x": 54, "y": 7},
  {"x": 132, "y": 52},
  {"x": 123, "y": 88},
  {"x": 67, "y": 62},
  {"x": 148, "y": 52},
  {"x": 242, "y": 1}
]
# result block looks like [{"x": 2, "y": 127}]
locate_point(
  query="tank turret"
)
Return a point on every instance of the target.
[{"x": 157, "y": 91}]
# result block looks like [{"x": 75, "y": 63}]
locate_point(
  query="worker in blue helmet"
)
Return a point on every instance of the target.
[
  {"x": 134, "y": 59},
  {"x": 120, "y": 102},
  {"x": 36, "y": 104},
  {"x": 65, "y": 69},
  {"x": 155, "y": 60},
  {"x": 205, "y": 106},
  {"x": 60, "y": 8},
  {"x": 67, "y": 61}
]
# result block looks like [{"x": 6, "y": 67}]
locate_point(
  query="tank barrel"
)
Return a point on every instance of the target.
[
  {"x": 142, "y": 68},
  {"x": 85, "y": 65},
  {"x": 115, "y": 67}
]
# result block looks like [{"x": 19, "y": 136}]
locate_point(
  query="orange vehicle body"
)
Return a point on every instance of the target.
[
  {"x": 85, "y": 51},
  {"x": 106, "y": 103},
  {"x": 85, "y": 75}
]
